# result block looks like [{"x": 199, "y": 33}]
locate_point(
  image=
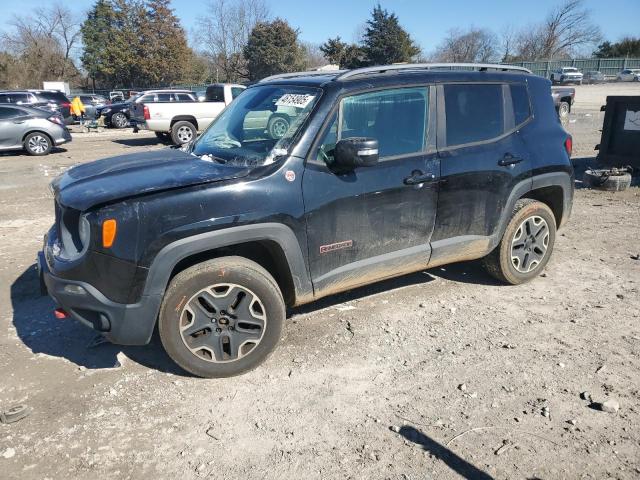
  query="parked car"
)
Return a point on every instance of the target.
[
  {"x": 566, "y": 75},
  {"x": 116, "y": 96},
  {"x": 50, "y": 100},
  {"x": 380, "y": 175},
  {"x": 34, "y": 130},
  {"x": 92, "y": 103},
  {"x": 117, "y": 115},
  {"x": 563, "y": 98},
  {"x": 629, "y": 75},
  {"x": 593, "y": 77},
  {"x": 179, "y": 122}
]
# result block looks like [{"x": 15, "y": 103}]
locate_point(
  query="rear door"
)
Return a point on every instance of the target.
[
  {"x": 374, "y": 222},
  {"x": 12, "y": 125},
  {"x": 482, "y": 159}
]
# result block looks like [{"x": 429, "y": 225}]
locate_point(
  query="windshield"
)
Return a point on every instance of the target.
[
  {"x": 571, "y": 70},
  {"x": 257, "y": 127}
]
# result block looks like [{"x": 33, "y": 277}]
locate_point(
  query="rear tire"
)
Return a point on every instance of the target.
[
  {"x": 526, "y": 245},
  {"x": 563, "y": 112},
  {"x": 222, "y": 317},
  {"x": 119, "y": 120},
  {"x": 37, "y": 144},
  {"x": 183, "y": 132}
]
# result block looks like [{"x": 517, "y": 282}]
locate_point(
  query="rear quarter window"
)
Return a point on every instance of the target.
[
  {"x": 474, "y": 113},
  {"x": 521, "y": 104}
]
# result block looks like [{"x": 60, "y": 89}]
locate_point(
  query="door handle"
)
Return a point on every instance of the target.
[
  {"x": 509, "y": 160},
  {"x": 418, "y": 177},
  {"x": 18, "y": 121}
]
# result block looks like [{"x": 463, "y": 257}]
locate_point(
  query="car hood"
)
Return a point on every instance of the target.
[{"x": 116, "y": 178}]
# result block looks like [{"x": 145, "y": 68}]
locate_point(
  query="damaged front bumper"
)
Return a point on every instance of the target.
[{"x": 124, "y": 324}]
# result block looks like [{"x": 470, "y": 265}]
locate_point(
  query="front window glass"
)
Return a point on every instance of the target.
[
  {"x": 259, "y": 126},
  {"x": 396, "y": 118}
]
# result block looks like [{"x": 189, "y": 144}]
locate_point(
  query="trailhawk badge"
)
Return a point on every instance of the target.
[
  {"x": 290, "y": 175},
  {"x": 336, "y": 246}
]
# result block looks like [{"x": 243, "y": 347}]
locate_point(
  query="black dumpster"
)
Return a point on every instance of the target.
[{"x": 620, "y": 141}]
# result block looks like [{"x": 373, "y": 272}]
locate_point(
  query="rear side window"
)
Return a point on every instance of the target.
[
  {"x": 54, "y": 96},
  {"x": 4, "y": 98},
  {"x": 520, "y": 100},
  {"x": 474, "y": 113},
  {"x": 8, "y": 112},
  {"x": 185, "y": 97},
  {"x": 235, "y": 91},
  {"x": 165, "y": 97},
  {"x": 19, "y": 98},
  {"x": 215, "y": 94}
]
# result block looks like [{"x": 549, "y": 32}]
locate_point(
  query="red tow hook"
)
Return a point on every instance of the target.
[{"x": 60, "y": 314}]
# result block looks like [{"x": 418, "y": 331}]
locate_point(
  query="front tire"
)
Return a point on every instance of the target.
[
  {"x": 222, "y": 317},
  {"x": 37, "y": 144},
  {"x": 183, "y": 132},
  {"x": 526, "y": 245}
]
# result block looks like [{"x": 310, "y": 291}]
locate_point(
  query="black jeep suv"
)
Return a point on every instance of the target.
[{"x": 386, "y": 171}]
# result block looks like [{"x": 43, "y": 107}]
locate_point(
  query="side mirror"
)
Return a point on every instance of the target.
[{"x": 351, "y": 153}]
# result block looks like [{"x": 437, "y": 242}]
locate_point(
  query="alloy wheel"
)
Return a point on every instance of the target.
[
  {"x": 38, "y": 144},
  {"x": 530, "y": 243},
  {"x": 223, "y": 323}
]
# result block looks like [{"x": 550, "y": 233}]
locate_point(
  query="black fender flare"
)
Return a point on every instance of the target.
[
  {"x": 562, "y": 179},
  {"x": 167, "y": 258}
]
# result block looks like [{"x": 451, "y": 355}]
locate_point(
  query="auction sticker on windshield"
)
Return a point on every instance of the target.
[{"x": 297, "y": 100}]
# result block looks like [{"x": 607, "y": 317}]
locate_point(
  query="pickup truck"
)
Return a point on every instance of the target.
[
  {"x": 563, "y": 98},
  {"x": 179, "y": 122}
]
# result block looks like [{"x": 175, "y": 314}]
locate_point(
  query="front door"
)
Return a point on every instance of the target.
[
  {"x": 374, "y": 222},
  {"x": 482, "y": 159}
]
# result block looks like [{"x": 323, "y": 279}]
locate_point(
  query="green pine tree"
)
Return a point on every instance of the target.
[
  {"x": 96, "y": 32},
  {"x": 272, "y": 48},
  {"x": 385, "y": 41},
  {"x": 165, "y": 55}
]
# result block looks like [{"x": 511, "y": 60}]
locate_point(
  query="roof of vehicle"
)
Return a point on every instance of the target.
[
  {"x": 400, "y": 74},
  {"x": 166, "y": 90},
  {"x": 36, "y": 111}
]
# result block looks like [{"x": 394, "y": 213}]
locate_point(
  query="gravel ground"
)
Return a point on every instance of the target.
[{"x": 441, "y": 374}]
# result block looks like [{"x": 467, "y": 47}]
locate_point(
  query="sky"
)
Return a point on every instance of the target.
[{"x": 426, "y": 20}]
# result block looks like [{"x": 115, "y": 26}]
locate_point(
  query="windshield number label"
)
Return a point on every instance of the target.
[{"x": 294, "y": 100}]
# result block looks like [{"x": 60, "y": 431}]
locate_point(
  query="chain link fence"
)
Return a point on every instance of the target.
[{"x": 610, "y": 67}]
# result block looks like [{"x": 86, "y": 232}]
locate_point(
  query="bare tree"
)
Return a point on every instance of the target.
[
  {"x": 42, "y": 47},
  {"x": 566, "y": 30},
  {"x": 223, "y": 31},
  {"x": 508, "y": 43},
  {"x": 313, "y": 56},
  {"x": 472, "y": 45}
]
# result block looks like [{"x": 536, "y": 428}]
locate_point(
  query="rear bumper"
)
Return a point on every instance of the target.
[
  {"x": 64, "y": 138},
  {"x": 124, "y": 324}
]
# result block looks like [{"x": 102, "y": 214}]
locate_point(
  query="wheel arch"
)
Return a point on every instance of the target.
[
  {"x": 24, "y": 137},
  {"x": 273, "y": 246},
  {"x": 553, "y": 197},
  {"x": 184, "y": 118}
]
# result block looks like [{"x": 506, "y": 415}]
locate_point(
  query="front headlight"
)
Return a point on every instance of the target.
[{"x": 105, "y": 110}]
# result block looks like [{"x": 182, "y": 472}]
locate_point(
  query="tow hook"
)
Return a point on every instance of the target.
[{"x": 60, "y": 313}]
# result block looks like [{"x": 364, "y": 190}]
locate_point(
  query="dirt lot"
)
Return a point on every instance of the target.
[{"x": 442, "y": 374}]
